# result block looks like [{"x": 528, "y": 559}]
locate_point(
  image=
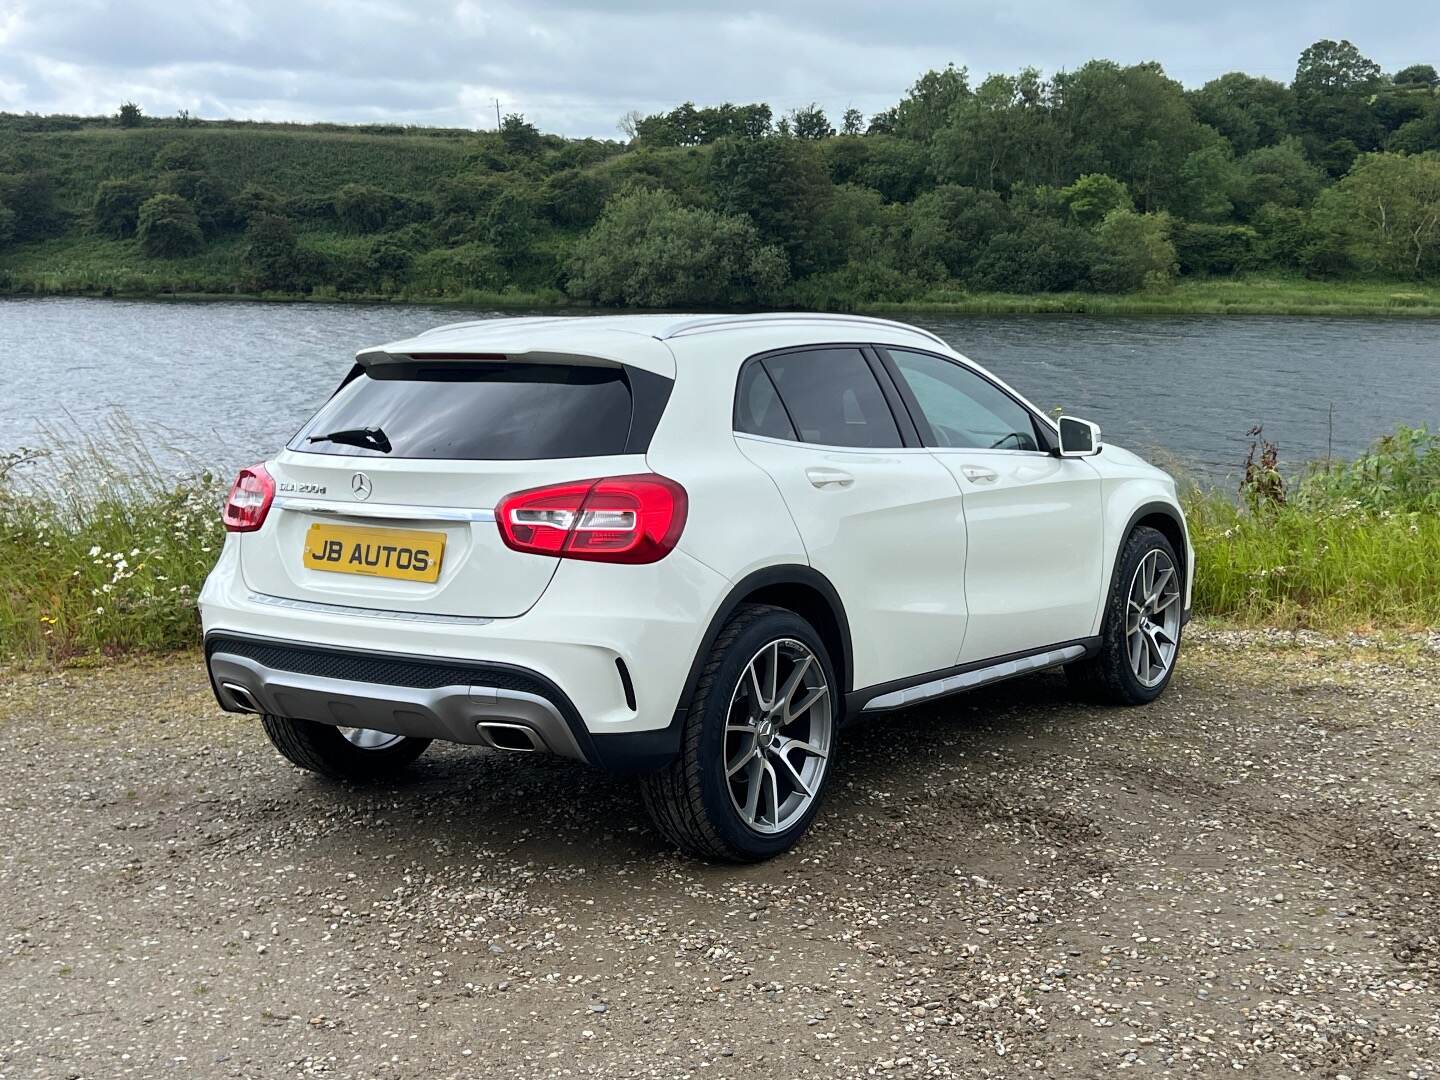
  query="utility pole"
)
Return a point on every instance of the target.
[{"x": 497, "y": 114}]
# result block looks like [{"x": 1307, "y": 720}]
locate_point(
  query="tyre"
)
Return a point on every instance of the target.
[
  {"x": 1140, "y": 634},
  {"x": 341, "y": 753},
  {"x": 757, "y": 744}
]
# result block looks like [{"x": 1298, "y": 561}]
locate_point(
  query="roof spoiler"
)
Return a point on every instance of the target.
[{"x": 381, "y": 358}]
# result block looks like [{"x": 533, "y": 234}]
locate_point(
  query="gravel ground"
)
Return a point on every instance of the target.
[{"x": 1244, "y": 876}]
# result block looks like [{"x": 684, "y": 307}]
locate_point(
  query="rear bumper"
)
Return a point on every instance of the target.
[{"x": 478, "y": 703}]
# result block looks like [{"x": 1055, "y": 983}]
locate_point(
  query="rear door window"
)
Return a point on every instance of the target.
[
  {"x": 494, "y": 412},
  {"x": 832, "y": 398}
]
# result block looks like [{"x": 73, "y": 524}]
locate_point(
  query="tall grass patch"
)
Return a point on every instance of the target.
[
  {"x": 1352, "y": 545},
  {"x": 100, "y": 551}
]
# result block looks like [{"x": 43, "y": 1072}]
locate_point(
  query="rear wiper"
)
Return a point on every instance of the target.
[{"x": 372, "y": 438}]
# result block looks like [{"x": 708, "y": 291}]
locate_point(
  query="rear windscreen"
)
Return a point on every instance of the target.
[{"x": 491, "y": 412}]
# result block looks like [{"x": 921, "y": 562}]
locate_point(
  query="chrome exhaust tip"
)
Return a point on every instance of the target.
[
  {"x": 241, "y": 698},
  {"x": 516, "y": 738}
]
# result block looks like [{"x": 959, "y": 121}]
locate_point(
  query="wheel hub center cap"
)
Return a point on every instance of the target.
[{"x": 766, "y": 732}]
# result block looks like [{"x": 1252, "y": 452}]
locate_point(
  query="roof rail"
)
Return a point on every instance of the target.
[{"x": 708, "y": 323}]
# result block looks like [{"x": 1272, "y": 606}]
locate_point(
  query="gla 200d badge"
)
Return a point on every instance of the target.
[{"x": 361, "y": 486}]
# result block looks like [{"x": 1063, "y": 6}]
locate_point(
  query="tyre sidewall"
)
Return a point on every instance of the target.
[{"x": 714, "y": 791}]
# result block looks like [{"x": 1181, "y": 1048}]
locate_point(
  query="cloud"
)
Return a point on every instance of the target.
[{"x": 576, "y": 67}]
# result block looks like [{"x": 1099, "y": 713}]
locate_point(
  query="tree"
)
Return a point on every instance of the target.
[
  {"x": 129, "y": 115},
  {"x": 7, "y": 226},
  {"x": 1094, "y": 196},
  {"x": 167, "y": 228},
  {"x": 574, "y": 196},
  {"x": 1135, "y": 252},
  {"x": 1250, "y": 112},
  {"x": 1334, "y": 67},
  {"x": 1003, "y": 134},
  {"x": 1132, "y": 123},
  {"x": 1210, "y": 181},
  {"x": 116, "y": 210},
  {"x": 811, "y": 123},
  {"x": 952, "y": 226},
  {"x": 179, "y": 155},
  {"x": 896, "y": 168},
  {"x": 853, "y": 122},
  {"x": 647, "y": 250},
  {"x": 510, "y": 225},
  {"x": 1417, "y": 75},
  {"x": 926, "y": 108},
  {"x": 519, "y": 136},
  {"x": 1278, "y": 175},
  {"x": 782, "y": 187},
  {"x": 1387, "y": 213}
]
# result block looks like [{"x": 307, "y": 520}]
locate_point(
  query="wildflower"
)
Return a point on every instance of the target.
[{"x": 95, "y": 551}]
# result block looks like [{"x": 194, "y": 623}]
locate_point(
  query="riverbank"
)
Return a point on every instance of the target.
[
  {"x": 115, "y": 563},
  {"x": 91, "y": 267}
]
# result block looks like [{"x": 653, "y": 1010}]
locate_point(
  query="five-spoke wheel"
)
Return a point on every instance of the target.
[{"x": 777, "y": 735}]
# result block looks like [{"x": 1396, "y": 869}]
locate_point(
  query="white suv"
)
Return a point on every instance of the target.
[{"x": 687, "y": 547}]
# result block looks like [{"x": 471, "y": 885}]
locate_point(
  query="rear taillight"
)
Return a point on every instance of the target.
[
  {"x": 621, "y": 519},
  {"x": 249, "y": 499}
]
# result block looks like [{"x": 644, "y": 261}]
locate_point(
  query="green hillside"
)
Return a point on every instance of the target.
[{"x": 1103, "y": 188}]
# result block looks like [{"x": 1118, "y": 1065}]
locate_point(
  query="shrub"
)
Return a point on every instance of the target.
[
  {"x": 1135, "y": 252},
  {"x": 116, "y": 211},
  {"x": 649, "y": 251},
  {"x": 1041, "y": 256},
  {"x": 207, "y": 195},
  {"x": 272, "y": 257},
  {"x": 168, "y": 228},
  {"x": 362, "y": 208},
  {"x": 129, "y": 115},
  {"x": 1213, "y": 249}
]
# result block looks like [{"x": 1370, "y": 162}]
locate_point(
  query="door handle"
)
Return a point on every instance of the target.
[
  {"x": 979, "y": 475},
  {"x": 829, "y": 478}
]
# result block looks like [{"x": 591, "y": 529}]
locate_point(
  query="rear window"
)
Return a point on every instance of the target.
[{"x": 494, "y": 412}]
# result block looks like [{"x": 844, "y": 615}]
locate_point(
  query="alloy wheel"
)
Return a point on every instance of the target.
[
  {"x": 777, "y": 736},
  {"x": 1152, "y": 622}
]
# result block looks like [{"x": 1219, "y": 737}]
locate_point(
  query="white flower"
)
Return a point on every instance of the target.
[{"x": 95, "y": 551}]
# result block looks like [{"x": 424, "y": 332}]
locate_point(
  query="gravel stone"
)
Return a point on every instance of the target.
[{"x": 1242, "y": 877}]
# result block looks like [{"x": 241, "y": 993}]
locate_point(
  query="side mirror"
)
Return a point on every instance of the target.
[{"x": 1078, "y": 438}]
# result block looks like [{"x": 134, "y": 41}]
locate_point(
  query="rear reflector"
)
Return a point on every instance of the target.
[
  {"x": 621, "y": 519},
  {"x": 249, "y": 499}
]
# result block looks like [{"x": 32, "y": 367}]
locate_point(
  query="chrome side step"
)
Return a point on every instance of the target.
[{"x": 969, "y": 680}]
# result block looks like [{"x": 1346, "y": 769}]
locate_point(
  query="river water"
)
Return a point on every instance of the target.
[{"x": 227, "y": 383}]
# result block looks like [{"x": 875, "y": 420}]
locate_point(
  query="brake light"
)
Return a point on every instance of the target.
[
  {"x": 620, "y": 519},
  {"x": 249, "y": 499}
]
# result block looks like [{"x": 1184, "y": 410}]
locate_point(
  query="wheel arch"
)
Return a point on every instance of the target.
[
  {"x": 1166, "y": 519},
  {"x": 798, "y": 588}
]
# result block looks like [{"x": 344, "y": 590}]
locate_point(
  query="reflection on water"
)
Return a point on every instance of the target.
[{"x": 228, "y": 383}]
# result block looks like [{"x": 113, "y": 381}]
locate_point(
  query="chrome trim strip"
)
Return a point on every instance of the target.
[
  {"x": 319, "y": 608},
  {"x": 968, "y": 680},
  {"x": 394, "y": 511}
]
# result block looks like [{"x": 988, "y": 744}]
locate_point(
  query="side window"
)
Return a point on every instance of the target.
[
  {"x": 757, "y": 406},
  {"x": 833, "y": 398},
  {"x": 964, "y": 409}
]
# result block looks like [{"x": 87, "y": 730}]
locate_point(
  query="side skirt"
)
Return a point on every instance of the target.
[{"x": 902, "y": 693}]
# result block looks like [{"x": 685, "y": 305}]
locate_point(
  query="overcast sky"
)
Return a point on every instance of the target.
[{"x": 575, "y": 68}]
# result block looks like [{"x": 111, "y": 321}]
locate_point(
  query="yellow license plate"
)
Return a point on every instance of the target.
[{"x": 409, "y": 555}]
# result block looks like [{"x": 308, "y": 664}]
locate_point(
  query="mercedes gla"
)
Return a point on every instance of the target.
[{"x": 687, "y": 547}]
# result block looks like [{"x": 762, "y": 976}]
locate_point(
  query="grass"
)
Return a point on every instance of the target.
[
  {"x": 88, "y": 265},
  {"x": 1354, "y": 546},
  {"x": 1241, "y": 295},
  {"x": 110, "y": 564},
  {"x": 114, "y": 562}
]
